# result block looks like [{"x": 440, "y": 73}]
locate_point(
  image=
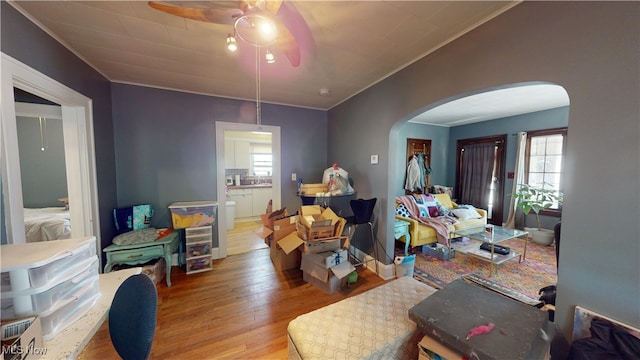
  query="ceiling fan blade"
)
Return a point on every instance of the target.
[
  {"x": 270, "y": 6},
  {"x": 288, "y": 45},
  {"x": 216, "y": 16}
]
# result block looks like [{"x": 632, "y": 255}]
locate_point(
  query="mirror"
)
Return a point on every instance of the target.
[{"x": 43, "y": 171}]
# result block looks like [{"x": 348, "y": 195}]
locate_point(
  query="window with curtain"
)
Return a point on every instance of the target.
[
  {"x": 544, "y": 161},
  {"x": 261, "y": 159}
]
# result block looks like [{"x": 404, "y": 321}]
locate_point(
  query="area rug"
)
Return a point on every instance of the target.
[{"x": 521, "y": 281}]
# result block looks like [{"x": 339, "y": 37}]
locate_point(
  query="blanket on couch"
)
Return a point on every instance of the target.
[{"x": 441, "y": 228}]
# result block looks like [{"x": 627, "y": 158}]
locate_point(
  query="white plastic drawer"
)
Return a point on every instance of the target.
[
  {"x": 69, "y": 311},
  {"x": 198, "y": 249},
  {"x": 47, "y": 269},
  {"x": 36, "y": 300},
  {"x": 205, "y": 230},
  {"x": 198, "y": 238}
]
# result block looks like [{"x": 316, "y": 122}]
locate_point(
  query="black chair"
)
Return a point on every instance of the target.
[
  {"x": 132, "y": 317},
  {"x": 363, "y": 215}
]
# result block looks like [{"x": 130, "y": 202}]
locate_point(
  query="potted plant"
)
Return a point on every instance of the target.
[{"x": 536, "y": 198}]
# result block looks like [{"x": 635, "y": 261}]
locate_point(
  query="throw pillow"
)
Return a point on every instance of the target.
[
  {"x": 402, "y": 210},
  {"x": 466, "y": 212},
  {"x": 427, "y": 204},
  {"x": 136, "y": 237}
]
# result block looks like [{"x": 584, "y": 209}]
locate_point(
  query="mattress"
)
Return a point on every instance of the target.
[
  {"x": 371, "y": 325},
  {"x": 44, "y": 224}
]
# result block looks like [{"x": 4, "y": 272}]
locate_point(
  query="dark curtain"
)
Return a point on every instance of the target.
[{"x": 476, "y": 174}]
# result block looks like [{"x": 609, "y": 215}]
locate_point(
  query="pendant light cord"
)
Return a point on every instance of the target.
[{"x": 258, "y": 85}]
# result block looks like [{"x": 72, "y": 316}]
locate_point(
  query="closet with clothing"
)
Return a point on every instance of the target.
[{"x": 418, "y": 179}]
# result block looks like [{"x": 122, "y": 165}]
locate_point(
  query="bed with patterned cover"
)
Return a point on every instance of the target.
[{"x": 371, "y": 325}]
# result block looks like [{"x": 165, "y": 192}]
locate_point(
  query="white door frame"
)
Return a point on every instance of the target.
[
  {"x": 77, "y": 120},
  {"x": 221, "y": 127}
]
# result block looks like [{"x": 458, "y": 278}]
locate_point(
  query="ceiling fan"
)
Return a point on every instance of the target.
[{"x": 254, "y": 21}]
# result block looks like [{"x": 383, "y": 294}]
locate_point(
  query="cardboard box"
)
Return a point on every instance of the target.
[
  {"x": 287, "y": 257},
  {"x": 333, "y": 258},
  {"x": 318, "y": 223},
  {"x": 22, "y": 339},
  {"x": 314, "y": 265},
  {"x": 322, "y": 245},
  {"x": 268, "y": 219},
  {"x": 334, "y": 284},
  {"x": 430, "y": 349},
  {"x": 313, "y": 189}
]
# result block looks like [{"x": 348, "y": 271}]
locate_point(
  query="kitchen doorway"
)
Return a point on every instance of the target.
[{"x": 248, "y": 167}]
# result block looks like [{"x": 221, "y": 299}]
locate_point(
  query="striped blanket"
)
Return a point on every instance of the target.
[{"x": 440, "y": 226}]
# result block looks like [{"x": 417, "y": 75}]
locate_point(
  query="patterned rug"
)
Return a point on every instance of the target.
[{"x": 517, "y": 280}]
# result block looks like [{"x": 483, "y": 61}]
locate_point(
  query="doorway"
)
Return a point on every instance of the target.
[
  {"x": 78, "y": 144},
  {"x": 480, "y": 164},
  {"x": 258, "y": 180}
]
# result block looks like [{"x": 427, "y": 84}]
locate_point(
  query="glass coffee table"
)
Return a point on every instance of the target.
[{"x": 492, "y": 235}]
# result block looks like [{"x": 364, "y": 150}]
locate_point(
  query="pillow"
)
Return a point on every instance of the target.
[
  {"x": 402, "y": 210},
  {"x": 136, "y": 237},
  {"x": 427, "y": 204},
  {"x": 466, "y": 213}
]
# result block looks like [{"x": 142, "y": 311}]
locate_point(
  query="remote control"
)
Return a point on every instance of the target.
[{"x": 498, "y": 249}]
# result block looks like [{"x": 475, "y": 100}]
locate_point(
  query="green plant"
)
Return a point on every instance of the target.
[{"x": 535, "y": 198}]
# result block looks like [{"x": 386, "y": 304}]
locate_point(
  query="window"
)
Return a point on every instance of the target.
[
  {"x": 544, "y": 161},
  {"x": 261, "y": 159}
]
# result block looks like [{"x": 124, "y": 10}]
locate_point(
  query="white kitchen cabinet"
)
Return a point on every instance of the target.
[
  {"x": 237, "y": 154},
  {"x": 244, "y": 202},
  {"x": 261, "y": 197},
  {"x": 242, "y": 154}
]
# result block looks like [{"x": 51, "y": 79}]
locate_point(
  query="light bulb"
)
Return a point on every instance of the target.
[
  {"x": 269, "y": 56},
  {"x": 232, "y": 45}
]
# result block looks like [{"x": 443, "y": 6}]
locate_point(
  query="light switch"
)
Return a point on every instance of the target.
[
  {"x": 374, "y": 159},
  {"x": 294, "y": 177}
]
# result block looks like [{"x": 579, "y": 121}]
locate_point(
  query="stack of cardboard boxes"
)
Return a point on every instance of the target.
[{"x": 310, "y": 241}]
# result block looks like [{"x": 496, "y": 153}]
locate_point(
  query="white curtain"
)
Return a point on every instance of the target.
[{"x": 518, "y": 178}]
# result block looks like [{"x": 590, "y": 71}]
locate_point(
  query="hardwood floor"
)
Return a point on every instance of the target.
[
  {"x": 239, "y": 310},
  {"x": 243, "y": 237}
]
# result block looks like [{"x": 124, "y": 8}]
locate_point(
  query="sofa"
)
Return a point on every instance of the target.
[{"x": 454, "y": 216}]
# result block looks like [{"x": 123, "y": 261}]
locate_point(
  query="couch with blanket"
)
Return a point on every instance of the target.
[{"x": 434, "y": 217}]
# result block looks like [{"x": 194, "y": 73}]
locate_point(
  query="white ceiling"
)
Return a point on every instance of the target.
[{"x": 346, "y": 47}]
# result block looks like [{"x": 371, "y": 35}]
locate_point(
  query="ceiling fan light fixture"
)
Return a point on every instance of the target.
[
  {"x": 232, "y": 44},
  {"x": 269, "y": 56}
]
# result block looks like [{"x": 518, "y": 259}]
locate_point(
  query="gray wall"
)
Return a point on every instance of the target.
[
  {"x": 44, "y": 176},
  {"x": 24, "y": 41},
  {"x": 548, "y": 119},
  {"x": 165, "y": 145},
  {"x": 589, "y": 48}
]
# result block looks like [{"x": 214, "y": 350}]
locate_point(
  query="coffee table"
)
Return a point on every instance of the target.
[{"x": 496, "y": 235}]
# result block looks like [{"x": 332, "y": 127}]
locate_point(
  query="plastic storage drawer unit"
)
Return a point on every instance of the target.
[
  {"x": 37, "y": 300},
  {"x": 35, "y": 265}
]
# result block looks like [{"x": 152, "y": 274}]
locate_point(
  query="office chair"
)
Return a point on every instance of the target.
[
  {"x": 132, "y": 317},
  {"x": 363, "y": 214}
]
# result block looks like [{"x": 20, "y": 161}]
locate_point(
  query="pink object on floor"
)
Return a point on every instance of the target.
[{"x": 479, "y": 330}]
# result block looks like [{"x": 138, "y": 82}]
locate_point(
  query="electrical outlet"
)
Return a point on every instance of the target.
[{"x": 294, "y": 177}]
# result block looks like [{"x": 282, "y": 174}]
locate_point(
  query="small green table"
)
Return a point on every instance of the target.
[{"x": 133, "y": 254}]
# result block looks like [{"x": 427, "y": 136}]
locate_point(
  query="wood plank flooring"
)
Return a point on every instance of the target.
[
  {"x": 243, "y": 237},
  {"x": 239, "y": 310}
]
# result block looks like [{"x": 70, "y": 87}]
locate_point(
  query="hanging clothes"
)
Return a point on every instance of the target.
[
  {"x": 423, "y": 173},
  {"x": 413, "y": 175}
]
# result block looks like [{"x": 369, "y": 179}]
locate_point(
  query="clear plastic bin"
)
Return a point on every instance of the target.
[
  {"x": 69, "y": 311},
  {"x": 193, "y": 214},
  {"x": 37, "y": 300},
  {"x": 35, "y": 265},
  {"x": 205, "y": 230}
]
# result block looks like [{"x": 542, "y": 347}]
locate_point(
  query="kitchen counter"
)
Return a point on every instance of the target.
[{"x": 254, "y": 186}]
